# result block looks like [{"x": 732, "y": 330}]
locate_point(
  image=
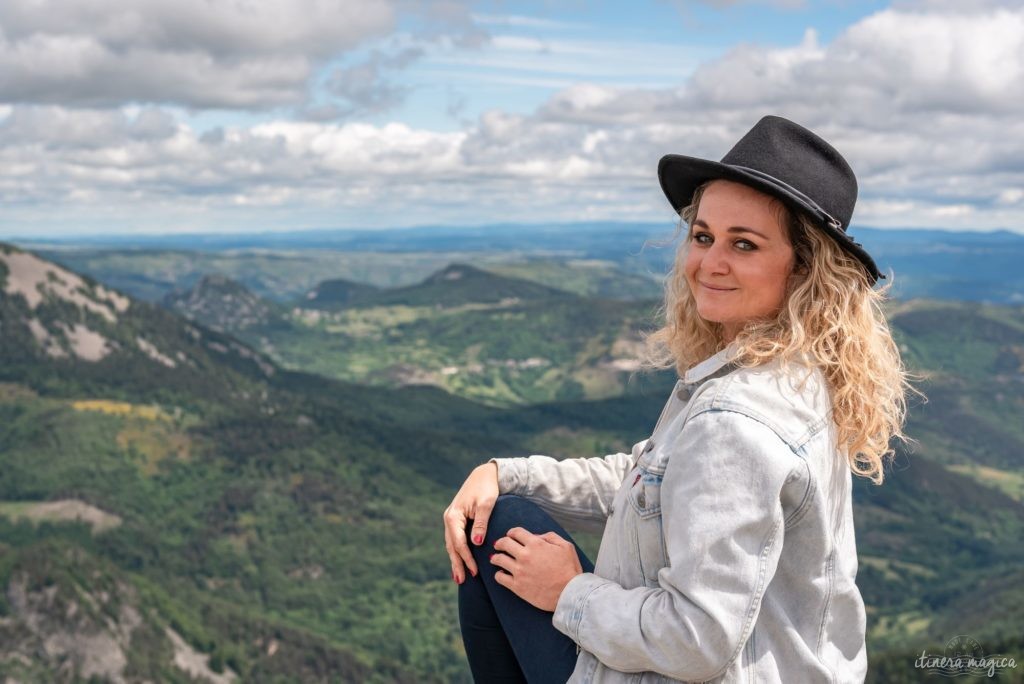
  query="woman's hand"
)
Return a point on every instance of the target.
[
  {"x": 536, "y": 567},
  {"x": 475, "y": 500}
]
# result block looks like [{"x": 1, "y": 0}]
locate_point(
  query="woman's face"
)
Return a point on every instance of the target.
[{"x": 739, "y": 257}]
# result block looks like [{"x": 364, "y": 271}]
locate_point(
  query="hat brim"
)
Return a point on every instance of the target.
[{"x": 680, "y": 176}]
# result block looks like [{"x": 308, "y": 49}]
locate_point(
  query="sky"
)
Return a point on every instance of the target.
[{"x": 184, "y": 116}]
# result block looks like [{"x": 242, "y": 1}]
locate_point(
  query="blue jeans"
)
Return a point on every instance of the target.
[{"x": 506, "y": 638}]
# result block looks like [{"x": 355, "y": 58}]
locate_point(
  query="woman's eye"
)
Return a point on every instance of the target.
[
  {"x": 699, "y": 237},
  {"x": 746, "y": 245}
]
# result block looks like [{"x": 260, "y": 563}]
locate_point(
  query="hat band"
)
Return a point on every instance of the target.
[
  {"x": 804, "y": 199},
  {"x": 811, "y": 205}
]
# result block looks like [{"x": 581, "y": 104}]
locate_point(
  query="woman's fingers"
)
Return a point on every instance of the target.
[
  {"x": 503, "y": 575},
  {"x": 480, "y": 517},
  {"x": 503, "y": 561},
  {"x": 453, "y": 557},
  {"x": 455, "y": 543},
  {"x": 505, "y": 579},
  {"x": 476, "y": 499},
  {"x": 521, "y": 535},
  {"x": 509, "y": 544},
  {"x": 554, "y": 538}
]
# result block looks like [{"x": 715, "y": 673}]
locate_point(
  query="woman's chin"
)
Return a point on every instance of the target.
[
  {"x": 728, "y": 328},
  {"x": 710, "y": 315}
]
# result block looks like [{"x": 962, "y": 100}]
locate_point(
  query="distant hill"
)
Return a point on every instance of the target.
[
  {"x": 224, "y": 304},
  {"x": 586, "y": 277},
  {"x": 52, "y": 318},
  {"x": 458, "y": 284},
  {"x": 338, "y": 293}
]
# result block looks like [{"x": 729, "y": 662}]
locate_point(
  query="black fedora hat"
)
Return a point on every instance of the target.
[{"x": 784, "y": 160}]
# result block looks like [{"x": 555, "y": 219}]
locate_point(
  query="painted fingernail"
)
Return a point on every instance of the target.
[
  {"x": 478, "y": 540},
  {"x": 490, "y": 556}
]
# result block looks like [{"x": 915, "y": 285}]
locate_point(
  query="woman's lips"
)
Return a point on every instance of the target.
[{"x": 718, "y": 289}]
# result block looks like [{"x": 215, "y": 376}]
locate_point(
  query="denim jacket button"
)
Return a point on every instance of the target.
[{"x": 641, "y": 500}]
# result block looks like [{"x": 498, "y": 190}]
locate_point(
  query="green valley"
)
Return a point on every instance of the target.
[{"x": 491, "y": 338}]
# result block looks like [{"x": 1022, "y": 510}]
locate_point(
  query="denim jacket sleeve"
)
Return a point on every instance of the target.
[
  {"x": 723, "y": 517},
  {"x": 578, "y": 492}
]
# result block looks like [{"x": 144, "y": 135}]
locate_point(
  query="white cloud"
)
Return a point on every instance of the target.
[
  {"x": 1011, "y": 196},
  {"x": 953, "y": 211},
  {"x": 519, "y": 21},
  {"x": 197, "y": 53},
  {"x": 961, "y": 6},
  {"x": 926, "y": 103},
  {"x": 649, "y": 63},
  {"x": 224, "y": 28},
  {"x": 364, "y": 88},
  {"x": 683, "y": 5}
]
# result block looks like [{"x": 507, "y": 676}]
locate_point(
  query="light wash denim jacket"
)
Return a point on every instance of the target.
[{"x": 728, "y": 552}]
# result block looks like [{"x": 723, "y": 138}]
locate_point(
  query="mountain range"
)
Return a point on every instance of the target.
[
  {"x": 920, "y": 263},
  {"x": 175, "y": 504}
]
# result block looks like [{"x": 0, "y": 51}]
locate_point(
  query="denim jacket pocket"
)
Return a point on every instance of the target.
[{"x": 648, "y": 534}]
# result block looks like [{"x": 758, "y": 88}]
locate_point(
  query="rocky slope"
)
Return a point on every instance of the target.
[{"x": 224, "y": 304}]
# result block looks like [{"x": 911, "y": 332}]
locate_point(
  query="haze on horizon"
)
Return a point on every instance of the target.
[{"x": 191, "y": 116}]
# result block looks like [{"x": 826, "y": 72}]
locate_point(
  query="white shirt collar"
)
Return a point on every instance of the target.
[{"x": 711, "y": 364}]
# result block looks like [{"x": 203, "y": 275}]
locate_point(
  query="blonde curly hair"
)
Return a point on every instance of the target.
[{"x": 832, "y": 314}]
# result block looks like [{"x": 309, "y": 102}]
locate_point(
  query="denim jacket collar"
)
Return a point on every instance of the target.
[{"x": 711, "y": 365}]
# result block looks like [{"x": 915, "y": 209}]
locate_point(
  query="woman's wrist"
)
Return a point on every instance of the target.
[{"x": 494, "y": 467}]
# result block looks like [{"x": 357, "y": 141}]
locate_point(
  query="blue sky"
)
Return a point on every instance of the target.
[
  {"x": 540, "y": 50},
  {"x": 535, "y": 49},
  {"x": 188, "y": 115}
]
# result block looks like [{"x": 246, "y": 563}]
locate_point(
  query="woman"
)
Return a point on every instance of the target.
[{"x": 728, "y": 550}]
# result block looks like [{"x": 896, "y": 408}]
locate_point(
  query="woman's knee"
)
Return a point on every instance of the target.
[{"x": 511, "y": 511}]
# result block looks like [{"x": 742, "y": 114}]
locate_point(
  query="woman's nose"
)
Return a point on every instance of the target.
[{"x": 715, "y": 259}]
